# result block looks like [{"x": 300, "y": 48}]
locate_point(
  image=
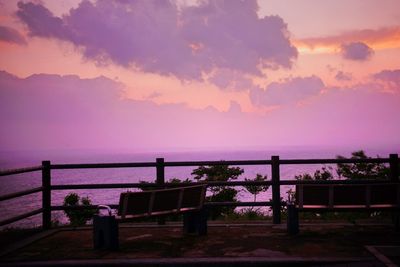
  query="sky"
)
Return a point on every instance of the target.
[{"x": 160, "y": 75}]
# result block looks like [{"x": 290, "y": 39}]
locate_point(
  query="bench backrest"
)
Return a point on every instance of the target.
[
  {"x": 163, "y": 201},
  {"x": 346, "y": 195}
]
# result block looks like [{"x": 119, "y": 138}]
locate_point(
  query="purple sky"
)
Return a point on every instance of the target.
[{"x": 176, "y": 75}]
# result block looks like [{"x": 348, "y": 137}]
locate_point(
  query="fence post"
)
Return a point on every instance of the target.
[
  {"x": 394, "y": 167},
  {"x": 276, "y": 192},
  {"x": 46, "y": 195},
  {"x": 160, "y": 180},
  {"x": 160, "y": 171}
]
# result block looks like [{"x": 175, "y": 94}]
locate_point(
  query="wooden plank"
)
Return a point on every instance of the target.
[
  {"x": 180, "y": 199},
  {"x": 20, "y": 170},
  {"x": 20, "y": 193},
  {"x": 103, "y": 165},
  {"x": 331, "y": 195},
  {"x": 398, "y": 194},
  {"x": 216, "y": 163},
  {"x": 20, "y": 217},
  {"x": 151, "y": 202},
  {"x": 368, "y": 196},
  {"x": 124, "y": 206},
  {"x": 301, "y": 199}
]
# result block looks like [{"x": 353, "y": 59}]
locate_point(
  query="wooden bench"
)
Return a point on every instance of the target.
[
  {"x": 344, "y": 197},
  {"x": 187, "y": 200}
]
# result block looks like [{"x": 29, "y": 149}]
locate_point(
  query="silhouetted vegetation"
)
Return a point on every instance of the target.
[
  {"x": 348, "y": 171},
  {"x": 256, "y": 189},
  {"x": 360, "y": 171},
  {"x": 78, "y": 217},
  {"x": 219, "y": 173},
  {"x": 324, "y": 174},
  {"x": 146, "y": 185}
]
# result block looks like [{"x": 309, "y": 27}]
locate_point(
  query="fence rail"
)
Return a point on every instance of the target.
[
  {"x": 275, "y": 162},
  {"x": 21, "y": 170}
]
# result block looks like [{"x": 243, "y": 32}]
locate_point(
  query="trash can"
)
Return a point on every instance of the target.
[
  {"x": 292, "y": 220},
  {"x": 195, "y": 222},
  {"x": 105, "y": 232}
]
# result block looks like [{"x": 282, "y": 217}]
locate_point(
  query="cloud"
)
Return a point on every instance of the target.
[
  {"x": 153, "y": 95},
  {"x": 356, "y": 51},
  {"x": 158, "y": 37},
  {"x": 66, "y": 112},
  {"x": 388, "y": 37},
  {"x": 231, "y": 34},
  {"x": 11, "y": 35},
  {"x": 45, "y": 111},
  {"x": 390, "y": 77},
  {"x": 290, "y": 91},
  {"x": 343, "y": 76},
  {"x": 234, "y": 108},
  {"x": 349, "y": 116},
  {"x": 229, "y": 80}
]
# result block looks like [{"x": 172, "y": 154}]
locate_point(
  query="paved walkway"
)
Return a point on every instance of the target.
[{"x": 225, "y": 245}]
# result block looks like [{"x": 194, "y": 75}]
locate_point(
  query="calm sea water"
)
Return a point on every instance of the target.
[{"x": 9, "y": 184}]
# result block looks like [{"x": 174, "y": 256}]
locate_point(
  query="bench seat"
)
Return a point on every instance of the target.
[
  {"x": 346, "y": 207},
  {"x": 153, "y": 203},
  {"x": 344, "y": 197},
  {"x": 186, "y": 200}
]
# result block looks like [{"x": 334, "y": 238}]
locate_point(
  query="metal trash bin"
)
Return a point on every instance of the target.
[
  {"x": 292, "y": 220},
  {"x": 105, "y": 232},
  {"x": 195, "y": 222}
]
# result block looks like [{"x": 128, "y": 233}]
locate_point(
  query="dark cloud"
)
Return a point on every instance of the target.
[
  {"x": 11, "y": 35},
  {"x": 229, "y": 80},
  {"x": 343, "y": 76},
  {"x": 356, "y": 51},
  {"x": 234, "y": 108},
  {"x": 288, "y": 92},
  {"x": 156, "y": 36},
  {"x": 390, "y": 77}
]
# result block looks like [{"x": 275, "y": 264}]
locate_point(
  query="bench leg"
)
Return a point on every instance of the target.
[
  {"x": 195, "y": 222},
  {"x": 292, "y": 220},
  {"x": 105, "y": 232},
  {"x": 396, "y": 220}
]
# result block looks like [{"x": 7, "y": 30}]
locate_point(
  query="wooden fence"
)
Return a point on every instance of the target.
[{"x": 275, "y": 162}]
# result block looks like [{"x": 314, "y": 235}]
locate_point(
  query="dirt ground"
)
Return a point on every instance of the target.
[{"x": 244, "y": 240}]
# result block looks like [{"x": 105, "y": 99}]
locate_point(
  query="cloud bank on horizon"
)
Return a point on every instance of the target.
[
  {"x": 253, "y": 82},
  {"x": 60, "y": 112}
]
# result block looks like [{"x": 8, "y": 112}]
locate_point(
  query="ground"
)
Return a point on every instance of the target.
[{"x": 255, "y": 239}]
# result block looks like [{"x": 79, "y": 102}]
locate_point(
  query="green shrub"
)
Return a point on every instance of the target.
[
  {"x": 78, "y": 217},
  {"x": 219, "y": 173},
  {"x": 256, "y": 189}
]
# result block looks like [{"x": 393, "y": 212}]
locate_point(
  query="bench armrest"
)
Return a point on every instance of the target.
[{"x": 105, "y": 207}]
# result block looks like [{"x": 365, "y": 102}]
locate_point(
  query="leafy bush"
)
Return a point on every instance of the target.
[
  {"x": 256, "y": 189},
  {"x": 350, "y": 171},
  {"x": 78, "y": 217},
  {"x": 359, "y": 171},
  {"x": 319, "y": 175},
  {"x": 252, "y": 214},
  {"x": 219, "y": 173}
]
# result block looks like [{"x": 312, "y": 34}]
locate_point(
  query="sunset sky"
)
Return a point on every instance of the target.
[{"x": 173, "y": 75}]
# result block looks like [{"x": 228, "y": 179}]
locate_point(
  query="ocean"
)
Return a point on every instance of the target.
[{"x": 13, "y": 183}]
